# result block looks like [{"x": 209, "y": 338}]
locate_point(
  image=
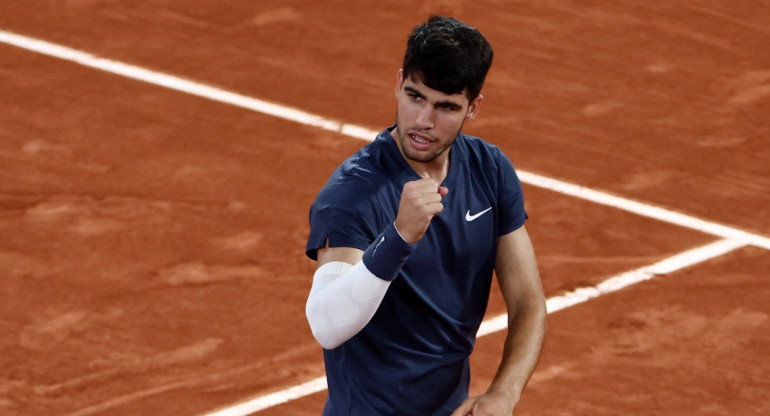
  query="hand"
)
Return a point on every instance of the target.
[
  {"x": 420, "y": 202},
  {"x": 488, "y": 404}
]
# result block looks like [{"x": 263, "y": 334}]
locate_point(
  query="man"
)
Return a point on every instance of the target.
[{"x": 407, "y": 233}]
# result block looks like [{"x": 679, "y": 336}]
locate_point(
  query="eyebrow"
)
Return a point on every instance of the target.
[
  {"x": 415, "y": 92},
  {"x": 446, "y": 103}
]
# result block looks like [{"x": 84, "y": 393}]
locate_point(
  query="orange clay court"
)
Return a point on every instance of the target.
[{"x": 152, "y": 236}]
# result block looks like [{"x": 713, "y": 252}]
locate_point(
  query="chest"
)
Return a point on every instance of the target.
[{"x": 461, "y": 241}]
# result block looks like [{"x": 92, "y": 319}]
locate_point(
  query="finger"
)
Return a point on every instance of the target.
[
  {"x": 428, "y": 185},
  {"x": 430, "y": 197},
  {"x": 420, "y": 187},
  {"x": 465, "y": 408},
  {"x": 436, "y": 209},
  {"x": 433, "y": 200}
]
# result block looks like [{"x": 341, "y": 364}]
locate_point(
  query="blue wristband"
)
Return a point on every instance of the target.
[{"x": 387, "y": 254}]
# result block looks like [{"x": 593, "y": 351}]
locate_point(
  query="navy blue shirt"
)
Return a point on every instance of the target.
[{"x": 412, "y": 357}]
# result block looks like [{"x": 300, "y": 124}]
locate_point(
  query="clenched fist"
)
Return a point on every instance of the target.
[{"x": 420, "y": 202}]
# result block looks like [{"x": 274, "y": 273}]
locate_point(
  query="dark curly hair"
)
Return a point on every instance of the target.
[{"x": 448, "y": 56}]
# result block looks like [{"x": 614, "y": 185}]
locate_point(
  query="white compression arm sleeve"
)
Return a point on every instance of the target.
[{"x": 342, "y": 300}]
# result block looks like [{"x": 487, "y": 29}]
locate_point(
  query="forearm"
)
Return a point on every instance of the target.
[
  {"x": 345, "y": 297},
  {"x": 342, "y": 301},
  {"x": 521, "y": 352}
]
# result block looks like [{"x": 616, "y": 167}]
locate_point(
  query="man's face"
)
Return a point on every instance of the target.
[{"x": 428, "y": 121}]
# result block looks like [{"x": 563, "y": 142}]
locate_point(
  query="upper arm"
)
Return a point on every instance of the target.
[
  {"x": 517, "y": 273},
  {"x": 345, "y": 254}
]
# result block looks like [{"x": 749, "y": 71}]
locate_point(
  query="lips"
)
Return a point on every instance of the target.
[{"x": 420, "y": 142}]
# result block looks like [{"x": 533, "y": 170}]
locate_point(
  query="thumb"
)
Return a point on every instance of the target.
[{"x": 443, "y": 191}]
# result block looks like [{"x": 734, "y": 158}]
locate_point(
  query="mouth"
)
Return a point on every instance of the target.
[{"x": 420, "y": 142}]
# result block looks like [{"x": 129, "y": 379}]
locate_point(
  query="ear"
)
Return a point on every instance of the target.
[
  {"x": 399, "y": 81},
  {"x": 473, "y": 108}
]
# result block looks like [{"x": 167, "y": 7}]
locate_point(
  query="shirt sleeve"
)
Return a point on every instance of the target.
[
  {"x": 511, "y": 212},
  {"x": 335, "y": 227}
]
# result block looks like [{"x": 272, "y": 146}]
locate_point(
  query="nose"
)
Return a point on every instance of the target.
[{"x": 425, "y": 117}]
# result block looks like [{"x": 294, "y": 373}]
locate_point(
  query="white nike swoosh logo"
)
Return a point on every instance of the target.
[
  {"x": 469, "y": 217},
  {"x": 378, "y": 246}
]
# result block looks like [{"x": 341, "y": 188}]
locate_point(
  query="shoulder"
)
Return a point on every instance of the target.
[
  {"x": 357, "y": 178},
  {"x": 363, "y": 168},
  {"x": 488, "y": 164},
  {"x": 481, "y": 153}
]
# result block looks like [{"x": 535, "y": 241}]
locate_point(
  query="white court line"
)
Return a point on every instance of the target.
[
  {"x": 666, "y": 266},
  {"x": 734, "y": 238},
  {"x": 302, "y": 117},
  {"x": 176, "y": 83},
  {"x": 499, "y": 323},
  {"x": 358, "y": 132},
  {"x": 643, "y": 209}
]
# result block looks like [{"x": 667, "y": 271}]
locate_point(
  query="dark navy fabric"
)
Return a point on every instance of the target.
[
  {"x": 412, "y": 357},
  {"x": 387, "y": 256}
]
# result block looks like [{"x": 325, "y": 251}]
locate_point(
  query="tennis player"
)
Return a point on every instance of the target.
[{"x": 407, "y": 233}]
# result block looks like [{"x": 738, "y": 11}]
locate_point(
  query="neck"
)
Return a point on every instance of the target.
[{"x": 436, "y": 169}]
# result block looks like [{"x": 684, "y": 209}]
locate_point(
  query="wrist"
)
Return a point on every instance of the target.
[
  {"x": 399, "y": 233},
  {"x": 387, "y": 254},
  {"x": 511, "y": 393},
  {"x": 406, "y": 234}
]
